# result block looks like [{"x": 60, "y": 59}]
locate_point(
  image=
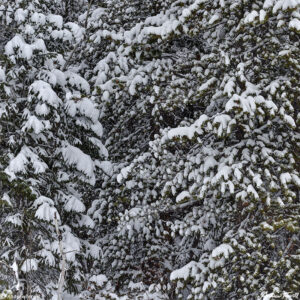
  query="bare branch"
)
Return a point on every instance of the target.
[{"x": 63, "y": 261}]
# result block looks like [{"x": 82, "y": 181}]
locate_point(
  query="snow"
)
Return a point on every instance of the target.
[
  {"x": 18, "y": 46},
  {"x": 102, "y": 149},
  {"x": 39, "y": 44},
  {"x": 272, "y": 295},
  {"x": 257, "y": 180},
  {"x": 285, "y": 178},
  {"x": 98, "y": 129},
  {"x": 30, "y": 264},
  {"x": 138, "y": 79},
  {"x": 99, "y": 280},
  {"x": 269, "y": 296},
  {"x": 36, "y": 125},
  {"x": 70, "y": 106},
  {"x": 42, "y": 199},
  {"x": 190, "y": 269},
  {"x": 224, "y": 172},
  {"x": 69, "y": 297},
  {"x": 181, "y": 132},
  {"x": 291, "y": 4},
  {"x": 86, "y": 221},
  {"x": 189, "y": 10},
  {"x": 107, "y": 167},
  {"x": 65, "y": 296},
  {"x": 209, "y": 163},
  {"x": 96, "y": 13},
  {"x": 18, "y": 43},
  {"x": 5, "y": 197},
  {"x": 280, "y": 202},
  {"x": 272, "y": 87},
  {"x": 77, "y": 81},
  {"x": 71, "y": 245},
  {"x": 247, "y": 103},
  {"x": 268, "y": 4},
  {"x": 24, "y": 158},
  {"x": 46, "y": 212},
  {"x": 20, "y": 15},
  {"x": 74, "y": 204},
  {"x": 55, "y": 20},
  {"x": 123, "y": 174},
  {"x": 213, "y": 19},
  {"x": 134, "y": 212},
  {"x": 285, "y": 5},
  {"x": 262, "y": 15},
  {"x": 205, "y": 86},
  {"x": 160, "y": 25},
  {"x": 201, "y": 121},
  {"x": 73, "y": 156},
  {"x": 251, "y": 190},
  {"x": 44, "y": 92},
  {"x": 296, "y": 179},
  {"x": 136, "y": 285},
  {"x": 29, "y": 30},
  {"x": 48, "y": 76},
  {"x": 88, "y": 108},
  {"x": 38, "y": 18},
  {"x": 222, "y": 250},
  {"x": 284, "y": 52},
  {"x": 25, "y": 51},
  {"x": 42, "y": 109},
  {"x": 105, "y": 96},
  {"x": 2, "y": 74},
  {"x": 182, "y": 196},
  {"x": 251, "y": 17},
  {"x": 47, "y": 256},
  {"x": 222, "y": 121},
  {"x": 229, "y": 87},
  {"x": 94, "y": 251},
  {"x": 267, "y": 226},
  {"x": 58, "y": 34},
  {"x": 15, "y": 269},
  {"x": 290, "y": 121},
  {"x": 60, "y": 77},
  {"x": 14, "y": 219},
  {"x": 77, "y": 30},
  {"x": 164, "y": 30}
]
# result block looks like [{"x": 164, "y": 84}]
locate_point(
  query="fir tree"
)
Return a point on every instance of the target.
[
  {"x": 51, "y": 152},
  {"x": 200, "y": 106},
  {"x": 214, "y": 86}
]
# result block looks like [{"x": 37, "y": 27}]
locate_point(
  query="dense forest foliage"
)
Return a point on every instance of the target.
[{"x": 150, "y": 149}]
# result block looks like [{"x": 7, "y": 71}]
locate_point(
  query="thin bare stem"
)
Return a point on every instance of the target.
[{"x": 63, "y": 261}]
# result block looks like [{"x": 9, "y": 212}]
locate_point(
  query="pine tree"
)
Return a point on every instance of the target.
[
  {"x": 213, "y": 198},
  {"x": 200, "y": 106},
  {"x": 51, "y": 151}
]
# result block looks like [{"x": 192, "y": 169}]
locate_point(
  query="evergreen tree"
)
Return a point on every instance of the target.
[
  {"x": 213, "y": 198},
  {"x": 51, "y": 152},
  {"x": 199, "y": 101}
]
